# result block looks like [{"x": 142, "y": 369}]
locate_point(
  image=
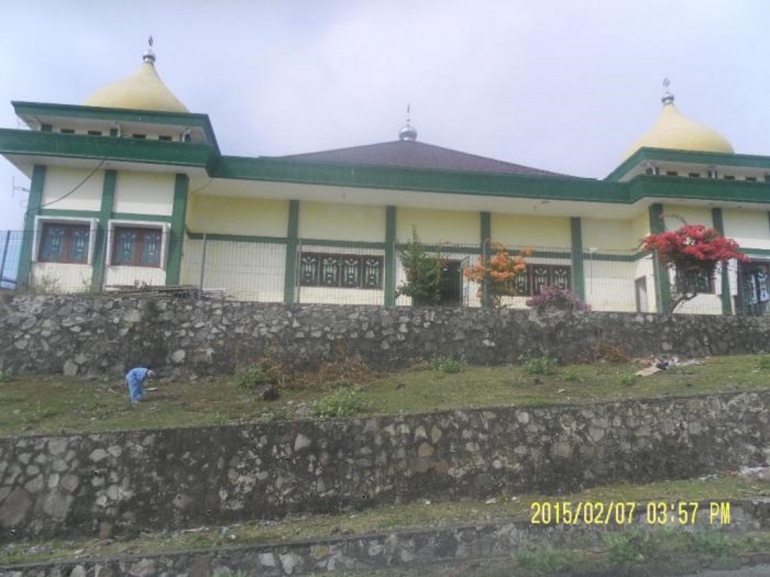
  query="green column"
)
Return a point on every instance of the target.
[
  {"x": 485, "y": 239},
  {"x": 727, "y": 304},
  {"x": 390, "y": 256},
  {"x": 100, "y": 243},
  {"x": 578, "y": 271},
  {"x": 292, "y": 238},
  {"x": 33, "y": 209},
  {"x": 662, "y": 282},
  {"x": 176, "y": 240}
]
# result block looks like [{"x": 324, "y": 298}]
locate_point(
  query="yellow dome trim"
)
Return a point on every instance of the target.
[
  {"x": 143, "y": 90},
  {"x": 674, "y": 131}
]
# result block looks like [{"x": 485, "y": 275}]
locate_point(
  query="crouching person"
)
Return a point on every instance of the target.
[{"x": 135, "y": 380}]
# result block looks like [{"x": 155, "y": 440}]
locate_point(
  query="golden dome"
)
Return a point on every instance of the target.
[
  {"x": 674, "y": 131},
  {"x": 143, "y": 90}
]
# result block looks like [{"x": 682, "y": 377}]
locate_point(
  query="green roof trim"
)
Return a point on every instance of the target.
[
  {"x": 180, "y": 119},
  {"x": 644, "y": 186},
  {"x": 443, "y": 181},
  {"x": 708, "y": 158},
  {"x": 35, "y": 143}
]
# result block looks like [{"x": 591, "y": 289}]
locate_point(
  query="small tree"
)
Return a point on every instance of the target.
[
  {"x": 496, "y": 276},
  {"x": 692, "y": 252},
  {"x": 423, "y": 273}
]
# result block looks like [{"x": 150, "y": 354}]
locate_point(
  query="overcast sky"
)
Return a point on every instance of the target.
[{"x": 562, "y": 85}]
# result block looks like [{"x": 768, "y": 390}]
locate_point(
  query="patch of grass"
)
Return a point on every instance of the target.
[
  {"x": 340, "y": 403},
  {"x": 449, "y": 365},
  {"x": 5, "y": 376},
  {"x": 764, "y": 363},
  {"x": 540, "y": 366}
]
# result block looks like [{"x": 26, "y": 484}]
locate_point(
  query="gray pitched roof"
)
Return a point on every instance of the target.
[{"x": 413, "y": 154}]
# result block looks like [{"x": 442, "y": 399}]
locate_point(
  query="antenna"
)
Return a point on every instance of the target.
[{"x": 14, "y": 188}]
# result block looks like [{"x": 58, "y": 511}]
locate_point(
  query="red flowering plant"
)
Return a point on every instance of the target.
[
  {"x": 553, "y": 298},
  {"x": 693, "y": 252},
  {"x": 496, "y": 276}
]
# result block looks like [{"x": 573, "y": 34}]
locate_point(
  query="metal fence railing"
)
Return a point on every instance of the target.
[{"x": 367, "y": 273}]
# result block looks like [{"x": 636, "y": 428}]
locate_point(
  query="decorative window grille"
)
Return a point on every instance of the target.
[
  {"x": 538, "y": 275},
  {"x": 341, "y": 270}
]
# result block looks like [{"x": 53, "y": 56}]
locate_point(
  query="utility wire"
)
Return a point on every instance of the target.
[{"x": 81, "y": 183}]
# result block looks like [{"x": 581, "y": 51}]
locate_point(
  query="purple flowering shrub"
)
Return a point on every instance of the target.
[{"x": 554, "y": 298}]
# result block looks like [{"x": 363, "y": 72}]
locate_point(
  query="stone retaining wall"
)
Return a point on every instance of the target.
[
  {"x": 98, "y": 335},
  {"x": 451, "y": 545},
  {"x": 100, "y": 483}
]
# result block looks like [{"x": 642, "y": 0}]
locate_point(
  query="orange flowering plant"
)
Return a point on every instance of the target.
[{"x": 496, "y": 276}]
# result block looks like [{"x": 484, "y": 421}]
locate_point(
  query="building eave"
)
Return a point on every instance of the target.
[
  {"x": 27, "y": 143},
  {"x": 652, "y": 155},
  {"x": 36, "y": 113}
]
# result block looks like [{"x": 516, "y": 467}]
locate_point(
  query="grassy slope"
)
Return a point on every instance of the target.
[{"x": 56, "y": 404}]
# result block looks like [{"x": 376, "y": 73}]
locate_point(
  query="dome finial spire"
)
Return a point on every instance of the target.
[
  {"x": 149, "y": 55},
  {"x": 668, "y": 97},
  {"x": 408, "y": 132}
]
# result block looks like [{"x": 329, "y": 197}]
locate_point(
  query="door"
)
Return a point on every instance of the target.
[
  {"x": 754, "y": 289},
  {"x": 640, "y": 285},
  {"x": 451, "y": 291}
]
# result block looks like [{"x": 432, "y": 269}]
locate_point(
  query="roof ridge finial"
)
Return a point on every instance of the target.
[
  {"x": 149, "y": 55},
  {"x": 668, "y": 97},
  {"x": 408, "y": 132}
]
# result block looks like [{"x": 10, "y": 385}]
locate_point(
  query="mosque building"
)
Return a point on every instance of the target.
[{"x": 131, "y": 187}]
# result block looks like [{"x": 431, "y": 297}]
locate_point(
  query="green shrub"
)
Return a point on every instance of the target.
[
  {"x": 545, "y": 560},
  {"x": 5, "y": 376},
  {"x": 628, "y": 380},
  {"x": 570, "y": 375},
  {"x": 711, "y": 543},
  {"x": 627, "y": 548},
  {"x": 249, "y": 378},
  {"x": 764, "y": 363},
  {"x": 340, "y": 403},
  {"x": 448, "y": 364},
  {"x": 540, "y": 366}
]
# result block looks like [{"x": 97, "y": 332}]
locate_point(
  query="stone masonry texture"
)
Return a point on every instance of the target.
[
  {"x": 99, "y": 484},
  {"x": 79, "y": 335}
]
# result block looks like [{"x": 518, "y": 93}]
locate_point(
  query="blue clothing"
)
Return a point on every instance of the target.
[{"x": 135, "y": 380}]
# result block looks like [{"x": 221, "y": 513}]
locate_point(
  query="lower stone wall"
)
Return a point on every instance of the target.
[
  {"x": 451, "y": 545},
  {"x": 98, "y": 335},
  {"x": 97, "y": 484}
]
